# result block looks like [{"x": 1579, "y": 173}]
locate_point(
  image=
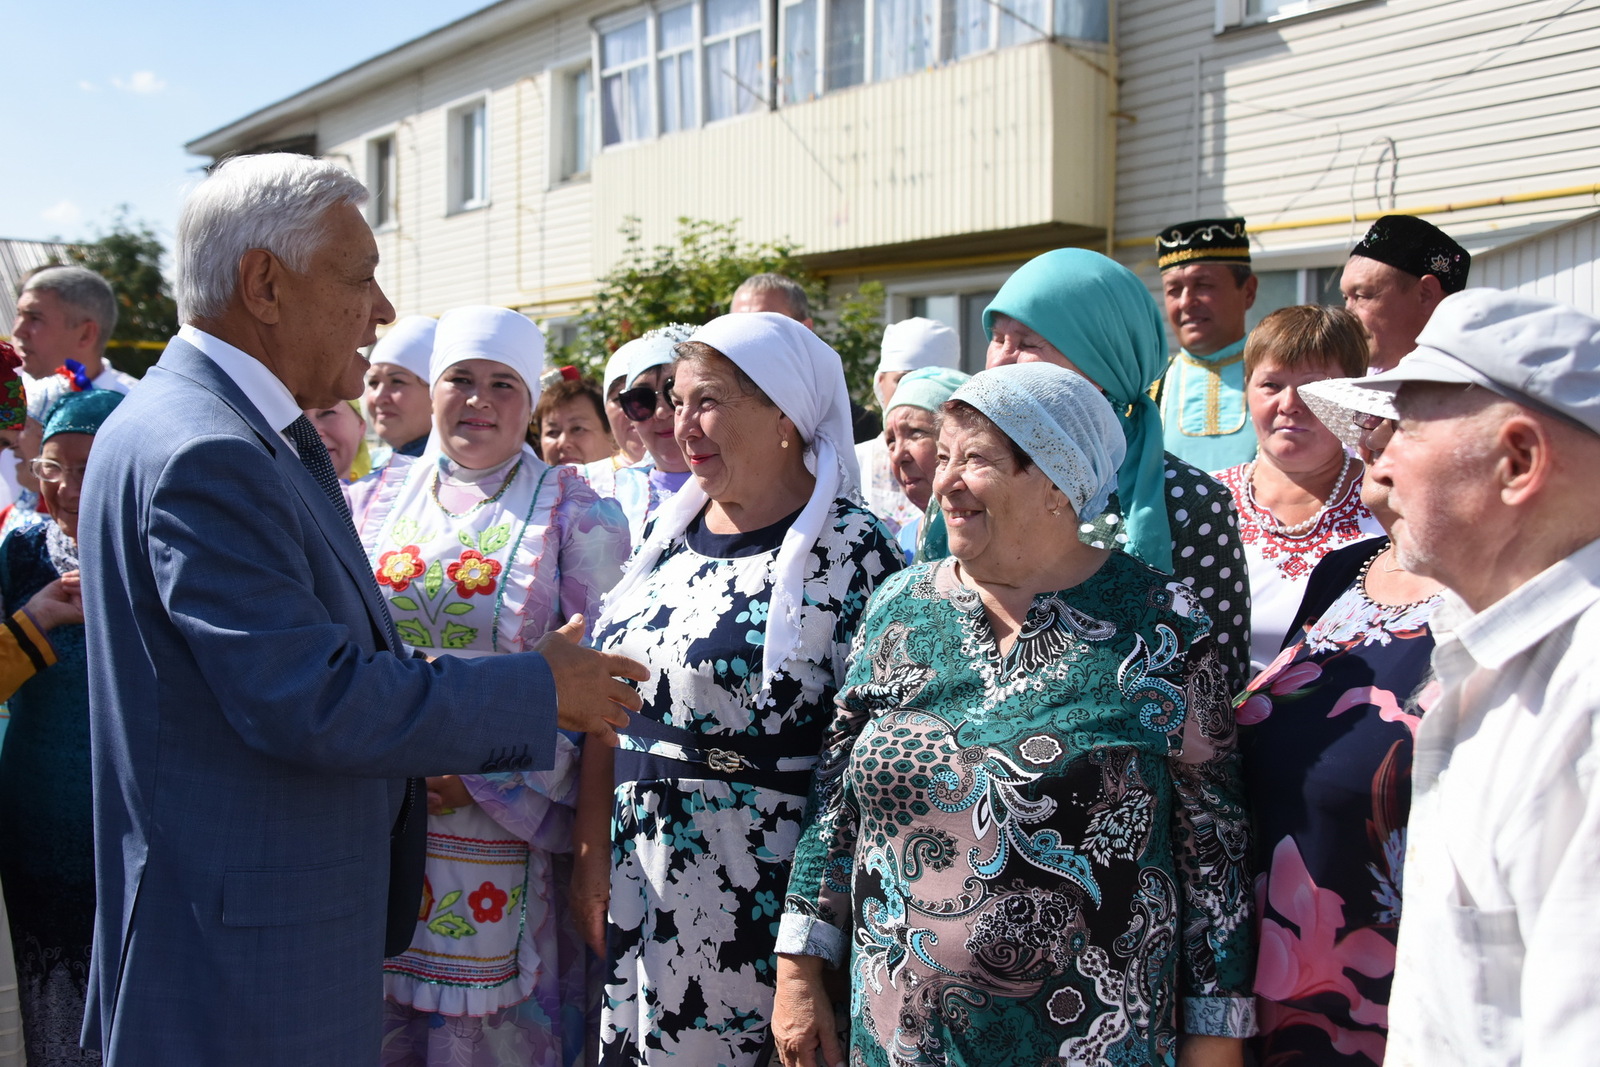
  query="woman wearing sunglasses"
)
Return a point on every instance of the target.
[
  {"x": 47, "y": 835},
  {"x": 1327, "y": 733}
]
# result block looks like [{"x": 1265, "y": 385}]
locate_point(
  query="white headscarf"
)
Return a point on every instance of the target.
[
  {"x": 805, "y": 379},
  {"x": 493, "y": 333},
  {"x": 655, "y": 349},
  {"x": 1060, "y": 421},
  {"x": 408, "y": 344},
  {"x": 912, "y": 344}
]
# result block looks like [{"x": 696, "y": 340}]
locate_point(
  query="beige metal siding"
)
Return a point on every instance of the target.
[
  {"x": 1299, "y": 120},
  {"x": 1563, "y": 264}
]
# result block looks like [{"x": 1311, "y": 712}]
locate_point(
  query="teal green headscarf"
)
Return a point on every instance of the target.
[
  {"x": 926, "y": 388},
  {"x": 83, "y": 412},
  {"x": 1101, "y": 317}
]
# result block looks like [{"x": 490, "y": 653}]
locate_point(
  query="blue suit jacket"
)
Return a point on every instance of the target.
[{"x": 252, "y": 726}]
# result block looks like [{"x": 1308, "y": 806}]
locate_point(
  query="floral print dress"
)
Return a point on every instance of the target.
[
  {"x": 476, "y": 563},
  {"x": 1327, "y": 732},
  {"x": 711, "y": 783},
  {"x": 1034, "y": 857}
]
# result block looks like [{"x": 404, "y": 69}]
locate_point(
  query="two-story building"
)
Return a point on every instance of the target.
[{"x": 935, "y": 144}]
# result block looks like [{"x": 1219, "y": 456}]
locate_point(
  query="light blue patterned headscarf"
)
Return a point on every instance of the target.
[
  {"x": 1061, "y": 421},
  {"x": 926, "y": 388},
  {"x": 655, "y": 349},
  {"x": 1100, "y": 316}
]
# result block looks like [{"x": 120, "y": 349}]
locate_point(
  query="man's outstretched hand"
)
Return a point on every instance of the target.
[{"x": 589, "y": 696}]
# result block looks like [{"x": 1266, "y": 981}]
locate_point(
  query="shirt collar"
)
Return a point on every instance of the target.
[
  {"x": 1220, "y": 355},
  {"x": 1529, "y": 613},
  {"x": 259, "y": 385}
]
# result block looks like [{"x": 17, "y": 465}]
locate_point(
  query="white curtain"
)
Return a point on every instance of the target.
[{"x": 902, "y": 39}]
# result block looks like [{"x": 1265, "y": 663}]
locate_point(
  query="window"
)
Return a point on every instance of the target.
[
  {"x": 469, "y": 156},
  {"x": 735, "y": 74},
  {"x": 800, "y": 52},
  {"x": 380, "y": 181},
  {"x": 675, "y": 63},
  {"x": 576, "y": 136},
  {"x": 625, "y": 83},
  {"x": 1252, "y": 12},
  {"x": 1284, "y": 288},
  {"x": 874, "y": 40},
  {"x": 963, "y": 313}
]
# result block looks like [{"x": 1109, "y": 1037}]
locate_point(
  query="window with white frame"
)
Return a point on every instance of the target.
[
  {"x": 963, "y": 313},
  {"x": 675, "y": 40},
  {"x": 875, "y": 40},
  {"x": 1252, "y": 12},
  {"x": 575, "y": 106},
  {"x": 736, "y": 78},
  {"x": 625, "y": 83},
  {"x": 380, "y": 181},
  {"x": 801, "y": 78},
  {"x": 1284, "y": 288},
  {"x": 468, "y": 139}
]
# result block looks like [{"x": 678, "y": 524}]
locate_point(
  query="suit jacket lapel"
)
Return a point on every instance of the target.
[{"x": 184, "y": 359}]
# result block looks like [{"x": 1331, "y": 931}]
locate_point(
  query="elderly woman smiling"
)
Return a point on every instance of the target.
[
  {"x": 1022, "y": 837},
  {"x": 911, "y": 439},
  {"x": 742, "y": 602}
]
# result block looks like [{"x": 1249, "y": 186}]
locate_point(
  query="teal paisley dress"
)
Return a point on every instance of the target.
[{"x": 1035, "y": 857}]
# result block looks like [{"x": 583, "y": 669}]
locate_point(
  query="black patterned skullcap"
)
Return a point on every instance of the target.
[
  {"x": 1408, "y": 243},
  {"x": 1203, "y": 241}
]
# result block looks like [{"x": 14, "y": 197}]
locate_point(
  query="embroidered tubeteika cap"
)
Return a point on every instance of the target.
[
  {"x": 1417, "y": 247},
  {"x": 1203, "y": 241},
  {"x": 1532, "y": 351}
]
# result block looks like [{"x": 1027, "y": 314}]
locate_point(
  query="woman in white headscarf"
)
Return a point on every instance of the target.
[
  {"x": 1026, "y": 840},
  {"x": 908, "y": 345},
  {"x": 480, "y": 548},
  {"x": 742, "y": 601}
]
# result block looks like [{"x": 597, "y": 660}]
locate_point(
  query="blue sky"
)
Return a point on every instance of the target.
[{"x": 103, "y": 95}]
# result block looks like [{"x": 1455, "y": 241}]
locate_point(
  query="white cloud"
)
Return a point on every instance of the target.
[
  {"x": 62, "y": 213},
  {"x": 88, "y": 87},
  {"x": 143, "y": 82}
]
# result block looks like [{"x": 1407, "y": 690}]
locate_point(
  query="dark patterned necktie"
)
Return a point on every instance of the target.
[{"x": 315, "y": 457}]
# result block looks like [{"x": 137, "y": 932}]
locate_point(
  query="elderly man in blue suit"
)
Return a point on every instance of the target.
[{"x": 257, "y": 728}]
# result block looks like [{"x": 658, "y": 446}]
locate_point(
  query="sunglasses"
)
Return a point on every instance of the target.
[{"x": 639, "y": 404}]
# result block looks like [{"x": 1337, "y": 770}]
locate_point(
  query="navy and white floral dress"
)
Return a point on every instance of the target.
[
  {"x": 711, "y": 781},
  {"x": 1034, "y": 857}
]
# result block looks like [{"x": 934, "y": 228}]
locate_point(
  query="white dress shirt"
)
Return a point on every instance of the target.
[
  {"x": 258, "y": 384},
  {"x": 113, "y": 379},
  {"x": 1499, "y": 953}
]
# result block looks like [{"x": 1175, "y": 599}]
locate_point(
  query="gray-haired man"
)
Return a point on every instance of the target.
[
  {"x": 1491, "y": 471},
  {"x": 68, "y": 313}
]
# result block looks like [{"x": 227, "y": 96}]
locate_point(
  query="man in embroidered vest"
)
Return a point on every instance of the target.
[
  {"x": 1208, "y": 286},
  {"x": 1395, "y": 278}
]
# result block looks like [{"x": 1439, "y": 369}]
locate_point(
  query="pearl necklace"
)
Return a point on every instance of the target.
[{"x": 1299, "y": 528}]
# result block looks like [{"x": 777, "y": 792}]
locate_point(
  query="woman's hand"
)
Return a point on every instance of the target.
[
  {"x": 57, "y": 604},
  {"x": 802, "y": 1016},
  {"x": 1201, "y": 1050},
  {"x": 446, "y": 793},
  {"x": 590, "y": 898}
]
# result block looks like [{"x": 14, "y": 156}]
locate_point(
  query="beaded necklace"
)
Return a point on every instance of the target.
[
  {"x": 433, "y": 491},
  {"x": 1390, "y": 609},
  {"x": 1300, "y": 528}
]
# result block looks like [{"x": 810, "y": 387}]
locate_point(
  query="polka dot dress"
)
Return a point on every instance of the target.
[{"x": 1206, "y": 556}]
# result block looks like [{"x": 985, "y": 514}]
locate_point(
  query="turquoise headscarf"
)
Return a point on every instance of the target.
[
  {"x": 1100, "y": 316},
  {"x": 80, "y": 412},
  {"x": 926, "y": 388}
]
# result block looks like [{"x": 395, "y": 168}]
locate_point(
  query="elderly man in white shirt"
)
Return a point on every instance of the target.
[{"x": 1492, "y": 471}]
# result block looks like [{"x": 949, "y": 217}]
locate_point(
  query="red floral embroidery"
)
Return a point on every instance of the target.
[
  {"x": 488, "y": 903},
  {"x": 427, "y": 900},
  {"x": 473, "y": 574},
  {"x": 398, "y": 569}
]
